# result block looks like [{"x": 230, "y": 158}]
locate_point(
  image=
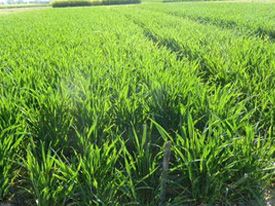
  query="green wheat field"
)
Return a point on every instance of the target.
[{"x": 153, "y": 104}]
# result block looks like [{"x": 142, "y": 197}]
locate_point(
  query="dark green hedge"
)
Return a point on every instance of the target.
[{"x": 72, "y": 3}]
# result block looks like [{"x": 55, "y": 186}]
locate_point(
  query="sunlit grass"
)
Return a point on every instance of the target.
[{"x": 91, "y": 97}]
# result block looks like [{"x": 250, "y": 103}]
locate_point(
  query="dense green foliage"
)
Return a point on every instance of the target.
[
  {"x": 71, "y": 3},
  {"x": 257, "y": 19},
  {"x": 90, "y": 96}
]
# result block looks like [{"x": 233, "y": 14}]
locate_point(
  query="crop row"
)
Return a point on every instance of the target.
[
  {"x": 255, "y": 19},
  {"x": 90, "y": 96},
  {"x": 223, "y": 58}
]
